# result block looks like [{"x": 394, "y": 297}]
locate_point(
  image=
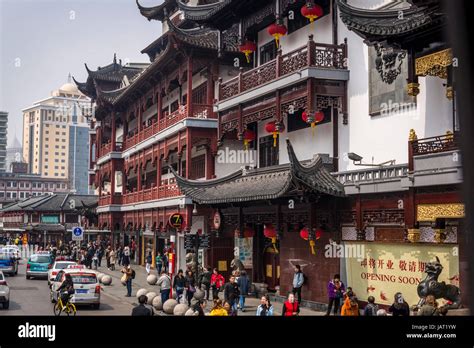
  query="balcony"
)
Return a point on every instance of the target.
[
  {"x": 109, "y": 199},
  {"x": 435, "y": 160},
  {"x": 199, "y": 111},
  {"x": 154, "y": 193},
  {"x": 312, "y": 55}
]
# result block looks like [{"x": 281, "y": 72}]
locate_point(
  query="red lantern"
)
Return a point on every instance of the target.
[
  {"x": 248, "y": 137},
  {"x": 269, "y": 231},
  {"x": 304, "y": 233},
  {"x": 277, "y": 31},
  {"x": 311, "y": 11},
  {"x": 248, "y": 232},
  {"x": 318, "y": 234},
  {"x": 313, "y": 119},
  {"x": 248, "y": 48},
  {"x": 275, "y": 129}
]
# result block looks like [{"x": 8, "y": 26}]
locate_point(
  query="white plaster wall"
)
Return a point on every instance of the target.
[
  {"x": 381, "y": 138},
  {"x": 226, "y": 168}
]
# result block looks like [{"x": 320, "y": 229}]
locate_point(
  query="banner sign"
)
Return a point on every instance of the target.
[
  {"x": 244, "y": 248},
  {"x": 391, "y": 268}
]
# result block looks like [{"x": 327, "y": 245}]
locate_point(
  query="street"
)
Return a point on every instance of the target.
[{"x": 31, "y": 297}]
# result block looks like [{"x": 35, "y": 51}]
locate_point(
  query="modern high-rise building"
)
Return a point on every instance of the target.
[
  {"x": 14, "y": 154},
  {"x": 3, "y": 139},
  {"x": 55, "y": 137}
]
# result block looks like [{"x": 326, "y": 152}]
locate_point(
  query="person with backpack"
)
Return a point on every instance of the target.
[
  {"x": 244, "y": 286},
  {"x": 371, "y": 309},
  {"x": 149, "y": 260},
  {"x": 164, "y": 282},
  {"x": 298, "y": 281},
  {"x": 129, "y": 274}
]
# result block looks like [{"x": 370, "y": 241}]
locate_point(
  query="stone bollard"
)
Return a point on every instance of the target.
[
  {"x": 199, "y": 294},
  {"x": 157, "y": 303},
  {"x": 100, "y": 276},
  {"x": 169, "y": 305},
  {"x": 141, "y": 292},
  {"x": 150, "y": 297},
  {"x": 180, "y": 309},
  {"x": 106, "y": 280},
  {"x": 151, "y": 279}
]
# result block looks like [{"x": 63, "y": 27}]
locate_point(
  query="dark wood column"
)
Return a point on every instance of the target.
[{"x": 190, "y": 87}]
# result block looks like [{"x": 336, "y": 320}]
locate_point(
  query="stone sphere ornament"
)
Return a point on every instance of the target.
[
  {"x": 169, "y": 305},
  {"x": 142, "y": 292},
  {"x": 156, "y": 303},
  {"x": 151, "y": 279},
  {"x": 199, "y": 294},
  {"x": 150, "y": 297},
  {"x": 106, "y": 280},
  {"x": 174, "y": 295},
  {"x": 180, "y": 309},
  {"x": 100, "y": 276},
  {"x": 190, "y": 313}
]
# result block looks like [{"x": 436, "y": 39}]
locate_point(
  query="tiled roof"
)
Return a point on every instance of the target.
[
  {"x": 203, "y": 12},
  {"x": 262, "y": 184},
  {"x": 54, "y": 202},
  {"x": 386, "y": 22},
  {"x": 157, "y": 12}
]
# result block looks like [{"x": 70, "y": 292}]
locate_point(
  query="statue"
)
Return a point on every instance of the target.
[{"x": 430, "y": 286}]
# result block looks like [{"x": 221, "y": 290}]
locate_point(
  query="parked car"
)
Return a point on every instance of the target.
[
  {"x": 13, "y": 249},
  {"x": 8, "y": 263},
  {"x": 39, "y": 265},
  {"x": 86, "y": 286},
  {"x": 4, "y": 292}
]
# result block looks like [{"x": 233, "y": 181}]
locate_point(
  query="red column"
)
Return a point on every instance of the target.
[
  {"x": 139, "y": 111},
  {"x": 114, "y": 132},
  {"x": 188, "y": 152},
  {"x": 190, "y": 87},
  {"x": 112, "y": 178},
  {"x": 139, "y": 175},
  {"x": 159, "y": 104}
]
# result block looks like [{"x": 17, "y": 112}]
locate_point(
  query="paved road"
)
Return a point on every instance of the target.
[{"x": 31, "y": 297}]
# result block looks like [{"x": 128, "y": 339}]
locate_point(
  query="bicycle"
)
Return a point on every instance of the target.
[{"x": 59, "y": 307}]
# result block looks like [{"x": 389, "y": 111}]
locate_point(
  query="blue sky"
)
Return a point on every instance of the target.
[{"x": 42, "y": 41}]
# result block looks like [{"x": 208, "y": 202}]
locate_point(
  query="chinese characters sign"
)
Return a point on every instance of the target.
[{"x": 390, "y": 268}]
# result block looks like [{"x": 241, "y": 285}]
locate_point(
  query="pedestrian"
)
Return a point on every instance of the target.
[
  {"x": 126, "y": 255},
  {"x": 244, "y": 287},
  {"x": 400, "y": 306},
  {"x": 100, "y": 255},
  {"x": 265, "y": 309},
  {"x": 107, "y": 257},
  {"x": 298, "y": 280},
  {"x": 217, "y": 309},
  {"x": 128, "y": 276},
  {"x": 133, "y": 248},
  {"x": 217, "y": 280},
  {"x": 164, "y": 282},
  {"x": 165, "y": 262},
  {"x": 430, "y": 307},
  {"x": 335, "y": 293},
  {"x": 291, "y": 307},
  {"x": 231, "y": 292},
  {"x": 179, "y": 284},
  {"x": 371, "y": 309},
  {"x": 205, "y": 282},
  {"x": 112, "y": 259},
  {"x": 120, "y": 255},
  {"x": 190, "y": 286},
  {"x": 231, "y": 310},
  {"x": 142, "y": 309},
  {"x": 149, "y": 260},
  {"x": 199, "y": 307},
  {"x": 158, "y": 263},
  {"x": 350, "y": 308}
]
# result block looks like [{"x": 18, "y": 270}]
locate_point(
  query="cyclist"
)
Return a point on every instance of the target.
[{"x": 68, "y": 287}]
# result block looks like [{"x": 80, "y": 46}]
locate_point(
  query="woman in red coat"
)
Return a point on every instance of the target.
[
  {"x": 291, "y": 306},
  {"x": 217, "y": 281}
]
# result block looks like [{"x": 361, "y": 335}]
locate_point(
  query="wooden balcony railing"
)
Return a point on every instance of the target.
[
  {"x": 318, "y": 55},
  {"x": 441, "y": 143},
  {"x": 109, "y": 199},
  {"x": 164, "y": 191}
]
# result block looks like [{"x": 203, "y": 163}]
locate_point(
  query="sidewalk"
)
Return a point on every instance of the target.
[{"x": 119, "y": 291}]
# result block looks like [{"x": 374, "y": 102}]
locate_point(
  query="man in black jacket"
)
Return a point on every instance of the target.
[
  {"x": 205, "y": 279},
  {"x": 231, "y": 293},
  {"x": 142, "y": 309}
]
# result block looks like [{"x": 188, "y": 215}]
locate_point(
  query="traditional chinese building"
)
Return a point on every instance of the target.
[{"x": 152, "y": 118}]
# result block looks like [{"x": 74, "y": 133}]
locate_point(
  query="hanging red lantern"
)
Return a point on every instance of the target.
[
  {"x": 269, "y": 231},
  {"x": 248, "y": 137},
  {"x": 249, "y": 232},
  {"x": 313, "y": 119},
  {"x": 304, "y": 233},
  {"x": 318, "y": 234},
  {"x": 248, "y": 48},
  {"x": 277, "y": 30},
  {"x": 274, "y": 128},
  {"x": 312, "y": 11}
]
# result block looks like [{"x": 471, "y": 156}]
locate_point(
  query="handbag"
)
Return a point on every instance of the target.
[
  {"x": 124, "y": 279},
  {"x": 192, "y": 289}
]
